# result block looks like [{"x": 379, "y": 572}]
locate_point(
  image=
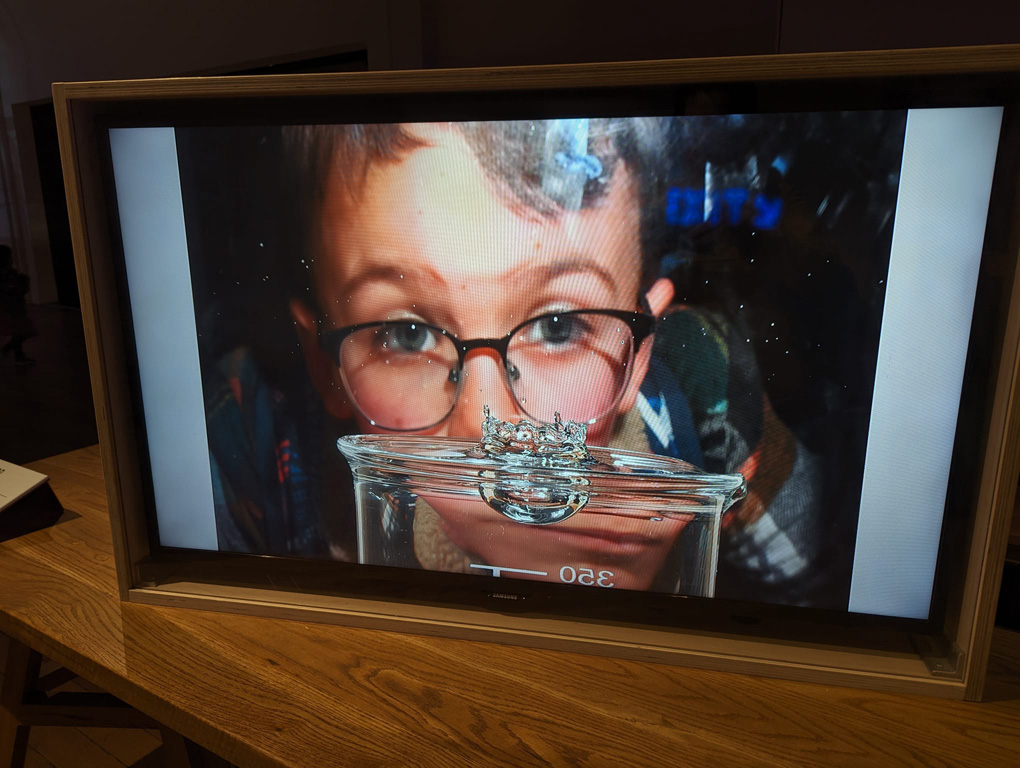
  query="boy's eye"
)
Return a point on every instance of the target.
[
  {"x": 557, "y": 329},
  {"x": 410, "y": 337}
]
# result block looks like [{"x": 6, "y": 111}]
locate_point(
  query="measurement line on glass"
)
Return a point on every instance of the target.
[{"x": 499, "y": 569}]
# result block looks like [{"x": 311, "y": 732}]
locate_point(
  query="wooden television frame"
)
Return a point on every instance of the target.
[{"x": 952, "y": 664}]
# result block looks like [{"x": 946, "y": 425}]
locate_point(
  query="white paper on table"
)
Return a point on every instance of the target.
[{"x": 16, "y": 482}]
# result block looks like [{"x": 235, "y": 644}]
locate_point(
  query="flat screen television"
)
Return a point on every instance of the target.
[{"x": 798, "y": 269}]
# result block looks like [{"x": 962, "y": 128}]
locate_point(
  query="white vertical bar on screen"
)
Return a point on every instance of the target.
[
  {"x": 942, "y": 206},
  {"x": 151, "y": 211}
]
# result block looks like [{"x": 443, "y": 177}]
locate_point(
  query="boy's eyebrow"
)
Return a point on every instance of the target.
[
  {"x": 394, "y": 274},
  {"x": 540, "y": 273},
  {"x": 561, "y": 267}
]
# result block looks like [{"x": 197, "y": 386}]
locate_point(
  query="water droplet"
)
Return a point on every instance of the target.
[
  {"x": 706, "y": 282},
  {"x": 401, "y": 277},
  {"x": 809, "y": 274},
  {"x": 524, "y": 400},
  {"x": 741, "y": 306},
  {"x": 371, "y": 422},
  {"x": 752, "y": 261},
  {"x": 773, "y": 325},
  {"x": 261, "y": 245},
  {"x": 748, "y": 341},
  {"x": 655, "y": 519}
]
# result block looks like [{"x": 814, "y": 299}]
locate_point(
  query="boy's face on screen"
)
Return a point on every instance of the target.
[{"x": 431, "y": 238}]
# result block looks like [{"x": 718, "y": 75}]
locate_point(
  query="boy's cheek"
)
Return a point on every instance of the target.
[{"x": 600, "y": 431}]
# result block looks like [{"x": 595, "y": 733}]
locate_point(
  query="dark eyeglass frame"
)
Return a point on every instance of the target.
[{"x": 641, "y": 324}]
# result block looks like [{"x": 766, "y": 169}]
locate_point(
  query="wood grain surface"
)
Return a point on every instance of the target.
[{"x": 269, "y": 692}]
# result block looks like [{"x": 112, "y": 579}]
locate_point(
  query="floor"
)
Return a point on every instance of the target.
[
  {"x": 46, "y": 408},
  {"x": 87, "y": 747}
]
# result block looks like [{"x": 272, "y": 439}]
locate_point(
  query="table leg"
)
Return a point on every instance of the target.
[
  {"x": 23, "y": 703},
  {"x": 179, "y": 752},
  {"x": 20, "y": 675}
]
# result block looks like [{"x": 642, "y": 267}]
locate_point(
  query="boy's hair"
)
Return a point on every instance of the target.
[{"x": 536, "y": 163}]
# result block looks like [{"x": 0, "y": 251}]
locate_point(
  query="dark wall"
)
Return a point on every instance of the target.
[
  {"x": 813, "y": 25},
  {"x": 467, "y": 33}
]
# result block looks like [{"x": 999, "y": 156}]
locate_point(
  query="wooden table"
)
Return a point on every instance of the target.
[{"x": 264, "y": 692}]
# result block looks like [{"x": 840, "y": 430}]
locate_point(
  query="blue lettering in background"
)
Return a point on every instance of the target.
[
  {"x": 735, "y": 199},
  {"x": 767, "y": 211},
  {"x": 685, "y": 207}
]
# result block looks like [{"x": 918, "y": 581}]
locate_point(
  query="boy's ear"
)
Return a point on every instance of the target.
[
  {"x": 321, "y": 370},
  {"x": 659, "y": 297}
]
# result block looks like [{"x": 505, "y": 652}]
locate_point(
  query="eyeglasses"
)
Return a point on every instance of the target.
[{"x": 406, "y": 375}]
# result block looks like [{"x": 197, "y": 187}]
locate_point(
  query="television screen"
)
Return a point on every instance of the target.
[{"x": 787, "y": 295}]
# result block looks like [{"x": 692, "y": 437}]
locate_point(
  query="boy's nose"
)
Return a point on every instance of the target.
[{"x": 484, "y": 384}]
